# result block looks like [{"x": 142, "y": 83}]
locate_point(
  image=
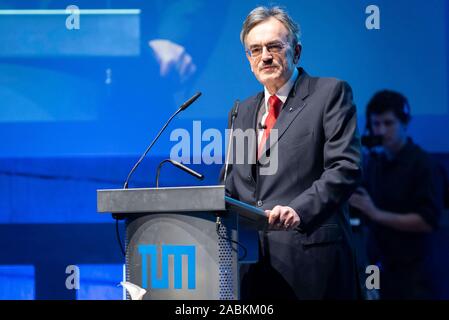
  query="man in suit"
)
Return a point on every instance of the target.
[{"x": 307, "y": 252}]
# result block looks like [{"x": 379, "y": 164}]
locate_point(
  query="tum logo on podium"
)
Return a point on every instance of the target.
[{"x": 177, "y": 251}]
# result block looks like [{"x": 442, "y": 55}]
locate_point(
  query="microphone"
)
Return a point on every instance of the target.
[
  {"x": 190, "y": 101},
  {"x": 179, "y": 165},
  {"x": 234, "y": 113},
  {"x": 181, "y": 108}
]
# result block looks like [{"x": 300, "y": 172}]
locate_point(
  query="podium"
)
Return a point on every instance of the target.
[{"x": 185, "y": 242}]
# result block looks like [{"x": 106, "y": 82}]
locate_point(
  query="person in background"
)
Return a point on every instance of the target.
[{"x": 399, "y": 201}]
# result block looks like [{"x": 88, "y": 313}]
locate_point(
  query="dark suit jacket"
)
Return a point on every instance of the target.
[{"x": 318, "y": 167}]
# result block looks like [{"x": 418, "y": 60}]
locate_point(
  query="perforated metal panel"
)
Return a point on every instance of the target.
[
  {"x": 127, "y": 268},
  {"x": 225, "y": 265}
]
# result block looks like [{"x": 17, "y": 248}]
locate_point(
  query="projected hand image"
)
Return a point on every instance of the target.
[{"x": 172, "y": 57}]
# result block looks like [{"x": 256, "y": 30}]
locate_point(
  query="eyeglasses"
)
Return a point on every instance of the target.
[{"x": 274, "y": 47}]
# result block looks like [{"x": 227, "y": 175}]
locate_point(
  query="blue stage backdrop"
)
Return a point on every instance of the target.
[{"x": 86, "y": 84}]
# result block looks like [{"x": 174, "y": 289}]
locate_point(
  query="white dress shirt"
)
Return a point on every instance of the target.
[{"x": 282, "y": 94}]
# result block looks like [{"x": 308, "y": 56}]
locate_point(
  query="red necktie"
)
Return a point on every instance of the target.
[{"x": 274, "y": 104}]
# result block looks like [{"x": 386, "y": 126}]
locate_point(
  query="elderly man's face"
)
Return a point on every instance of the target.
[{"x": 272, "y": 69}]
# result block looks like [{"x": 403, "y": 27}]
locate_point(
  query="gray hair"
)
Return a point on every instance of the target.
[{"x": 261, "y": 14}]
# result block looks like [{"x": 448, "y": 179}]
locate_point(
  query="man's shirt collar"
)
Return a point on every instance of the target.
[{"x": 284, "y": 91}]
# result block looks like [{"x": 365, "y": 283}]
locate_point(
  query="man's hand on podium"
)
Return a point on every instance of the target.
[{"x": 282, "y": 218}]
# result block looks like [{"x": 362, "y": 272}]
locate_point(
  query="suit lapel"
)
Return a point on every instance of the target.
[
  {"x": 292, "y": 108},
  {"x": 250, "y": 117}
]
